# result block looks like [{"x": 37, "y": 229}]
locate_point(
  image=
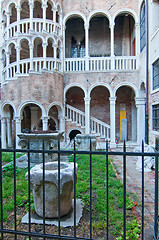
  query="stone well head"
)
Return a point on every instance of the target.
[{"x": 51, "y": 188}]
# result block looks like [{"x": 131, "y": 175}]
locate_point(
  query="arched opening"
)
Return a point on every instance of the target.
[
  {"x": 37, "y": 12},
  {"x": 73, "y": 134},
  {"x": 142, "y": 26},
  {"x": 25, "y": 11},
  {"x": 9, "y": 114},
  {"x": 126, "y": 114},
  {"x": 31, "y": 117},
  {"x": 4, "y": 58},
  {"x": 59, "y": 50},
  {"x": 75, "y": 98},
  {"x": 53, "y": 123},
  {"x": 100, "y": 105},
  {"x": 49, "y": 12},
  {"x": 12, "y": 53},
  {"x": 124, "y": 36},
  {"x": 58, "y": 12},
  {"x": 50, "y": 49},
  {"x": 99, "y": 37},
  {"x": 13, "y": 11},
  {"x": 75, "y": 38},
  {"x": 24, "y": 52},
  {"x": 38, "y": 48}
]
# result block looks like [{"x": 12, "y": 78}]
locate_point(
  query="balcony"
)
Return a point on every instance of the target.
[{"x": 96, "y": 64}]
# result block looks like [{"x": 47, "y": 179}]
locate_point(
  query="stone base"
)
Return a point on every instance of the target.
[{"x": 66, "y": 221}]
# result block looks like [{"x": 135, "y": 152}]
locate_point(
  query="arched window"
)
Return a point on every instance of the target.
[{"x": 142, "y": 27}]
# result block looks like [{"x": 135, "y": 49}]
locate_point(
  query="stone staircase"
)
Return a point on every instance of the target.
[{"x": 77, "y": 118}]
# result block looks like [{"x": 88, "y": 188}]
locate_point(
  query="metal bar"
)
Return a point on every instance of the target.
[
  {"x": 59, "y": 231},
  {"x": 124, "y": 191},
  {"x": 142, "y": 217},
  {"x": 156, "y": 236},
  {"x": 107, "y": 192},
  {"x": 15, "y": 202},
  {"x": 29, "y": 189},
  {"x": 74, "y": 190},
  {"x": 90, "y": 190},
  {"x": 1, "y": 189},
  {"x": 43, "y": 188}
]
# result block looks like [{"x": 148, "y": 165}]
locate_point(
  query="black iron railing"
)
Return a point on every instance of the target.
[{"x": 43, "y": 235}]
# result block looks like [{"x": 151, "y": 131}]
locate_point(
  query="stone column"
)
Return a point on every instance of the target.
[
  {"x": 3, "y": 132},
  {"x": 7, "y": 64},
  {"x": 8, "y": 22},
  {"x": 87, "y": 115},
  {"x": 87, "y": 46},
  {"x": 112, "y": 122},
  {"x": 31, "y": 57},
  {"x": 55, "y": 56},
  {"x": 18, "y": 59},
  {"x": 9, "y": 132},
  {"x": 44, "y": 54},
  {"x": 64, "y": 47},
  {"x": 45, "y": 123},
  {"x": 54, "y": 19},
  {"x": 31, "y": 4},
  {"x": 112, "y": 44},
  {"x": 18, "y": 19},
  {"x": 44, "y": 6},
  {"x": 61, "y": 123},
  {"x": 17, "y": 129},
  {"x": 137, "y": 25},
  {"x": 140, "y": 104}
]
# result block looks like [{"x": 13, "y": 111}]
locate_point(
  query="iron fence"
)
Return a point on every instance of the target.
[{"x": 15, "y": 233}]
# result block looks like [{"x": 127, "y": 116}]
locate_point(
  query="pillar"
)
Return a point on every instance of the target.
[
  {"x": 7, "y": 64},
  {"x": 87, "y": 46},
  {"x": 8, "y": 22},
  {"x": 3, "y": 132},
  {"x": 112, "y": 45},
  {"x": 61, "y": 122},
  {"x": 45, "y": 123},
  {"x": 140, "y": 104},
  {"x": 44, "y": 6},
  {"x": 17, "y": 129},
  {"x": 9, "y": 132},
  {"x": 137, "y": 25},
  {"x": 112, "y": 122},
  {"x": 54, "y": 19},
  {"x": 87, "y": 115},
  {"x": 18, "y": 59},
  {"x": 31, "y": 57},
  {"x": 44, "y": 54},
  {"x": 31, "y": 15},
  {"x": 34, "y": 117},
  {"x": 55, "y": 56},
  {"x": 18, "y": 19}
]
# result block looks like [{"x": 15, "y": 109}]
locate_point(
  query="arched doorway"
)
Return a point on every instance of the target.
[
  {"x": 126, "y": 114},
  {"x": 73, "y": 134}
]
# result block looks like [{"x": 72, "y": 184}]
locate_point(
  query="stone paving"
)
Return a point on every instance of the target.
[{"x": 134, "y": 186}]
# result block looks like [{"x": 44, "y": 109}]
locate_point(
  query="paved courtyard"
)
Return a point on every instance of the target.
[{"x": 134, "y": 186}]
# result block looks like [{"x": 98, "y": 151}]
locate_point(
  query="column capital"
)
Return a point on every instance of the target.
[
  {"x": 44, "y": 5},
  {"x": 44, "y": 44},
  {"x": 140, "y": 101},
  {"x": 18, "y": 7},
  {"x": 18, "y": 119},
  {"x": 86, "y": 26},
  {"x": 137, "y": 24},
  {"x": 31, "y": 45},
  {"x": 87, "y": 99},
  {"x": 31, "y": 5},
  {"x": 112, "y": 100},
  {"x": 112, "y": 25}
]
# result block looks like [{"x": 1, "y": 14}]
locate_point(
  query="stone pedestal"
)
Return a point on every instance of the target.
[
  {"x": 84, "y": 140},
  {"x": 51, "y": 188},
  {"x": 36, "y": 143}
]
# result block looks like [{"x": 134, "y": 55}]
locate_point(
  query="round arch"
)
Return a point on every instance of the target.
[
  {"x": 99, "y": 12},
  {"x": 74, "y": 85},
  {"x": 102, "y": 85},
  {"x": 74, "y": 14},
  {"x": 9, "y": 4},
  {"x": 73, "y": 129},
  {"x": 131, "y": 85},
  {"x": 58, "y": 105},
  {"x": 4, "y": 104},
  {"x": 126, "y": 10},
  {"x": 22, "y": 39},
  {"x": 24, "y": 104}
]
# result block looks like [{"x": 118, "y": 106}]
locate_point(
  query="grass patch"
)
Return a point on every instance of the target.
[
  {"x": 9, "y": 157},
  {"x": 99, "y": 195}
]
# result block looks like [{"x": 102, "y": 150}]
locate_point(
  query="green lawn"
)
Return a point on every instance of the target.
[{"x": 99, "y": 195}]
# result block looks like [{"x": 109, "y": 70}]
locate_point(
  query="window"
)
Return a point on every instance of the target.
[
  {"x": 142, "y": 27},
  {"x": 155, "y": 117},
  {"x": 156, "y": 75}
]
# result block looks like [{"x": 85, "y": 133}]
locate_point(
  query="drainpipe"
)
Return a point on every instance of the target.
[{"x": 147, "y": 77}]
